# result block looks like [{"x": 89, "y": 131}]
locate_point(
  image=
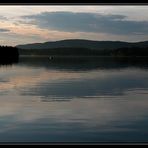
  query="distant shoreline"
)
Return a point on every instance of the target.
[{"x": 57, "y": 56}]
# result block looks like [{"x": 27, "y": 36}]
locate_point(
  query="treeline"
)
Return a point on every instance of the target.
[
  {"x": 8, "y": 55},
  {"x": 57, "y": 51},
  {"x": 9, "y": 52},
  {"x": 131, "y": 51}
]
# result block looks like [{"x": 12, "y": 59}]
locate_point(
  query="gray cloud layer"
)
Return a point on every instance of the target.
[
  {"x": 88, "y": 22},
  {"x": 4, "y": 30}
]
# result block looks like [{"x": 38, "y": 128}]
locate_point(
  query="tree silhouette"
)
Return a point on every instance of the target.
[{"x": 9, "y": 54}]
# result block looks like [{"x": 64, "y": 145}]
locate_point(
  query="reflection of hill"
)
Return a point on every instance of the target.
[
  {"x": 89, "y": 84},
  {"x": 99, "y": 83},
  {"x": 84, "y": 63}
]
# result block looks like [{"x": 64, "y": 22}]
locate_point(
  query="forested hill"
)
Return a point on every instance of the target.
[{"x": 89, "y": 44}]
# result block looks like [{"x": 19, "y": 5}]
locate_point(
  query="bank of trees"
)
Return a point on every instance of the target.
[
  {"x": 8, "y": 55},
  {"x": 8, "y": 52},
  {"x": 132, "y": 51}
]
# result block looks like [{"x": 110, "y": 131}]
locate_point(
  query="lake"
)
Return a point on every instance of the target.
[{"x": 74, "y": 100}]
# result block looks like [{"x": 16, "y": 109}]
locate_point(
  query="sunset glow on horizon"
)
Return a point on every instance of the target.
[{"x": 35, "y": 24}]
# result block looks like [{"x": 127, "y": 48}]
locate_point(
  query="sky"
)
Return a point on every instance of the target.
[{"x": 36, "y": 24}]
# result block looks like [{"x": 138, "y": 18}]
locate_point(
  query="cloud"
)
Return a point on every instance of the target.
[
  {"x": 87, "y": 22},
  {"x": 4, "y": 30},
  {"x": 3, "y": 18}
]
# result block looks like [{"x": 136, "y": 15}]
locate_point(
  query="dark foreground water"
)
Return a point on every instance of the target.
[{"x": 74, "y": 100}]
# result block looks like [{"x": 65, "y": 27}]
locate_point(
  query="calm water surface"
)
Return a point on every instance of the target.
[{"x": 74, "y": 100}]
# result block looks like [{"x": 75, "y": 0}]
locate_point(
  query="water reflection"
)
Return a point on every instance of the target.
[
  {"x": 55, "y": 80},
  {"x": 8, "y": 61},
  {"x": 95, "y": 100},
  {"x": 28, "y": 119},
  {"x": 65, "y": 79},
  {"x": 85, "y": 63}
]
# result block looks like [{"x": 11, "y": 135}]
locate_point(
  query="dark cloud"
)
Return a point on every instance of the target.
[
  {"x": 4, "y": 30},
  {"x": 88, "y": 22}
]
